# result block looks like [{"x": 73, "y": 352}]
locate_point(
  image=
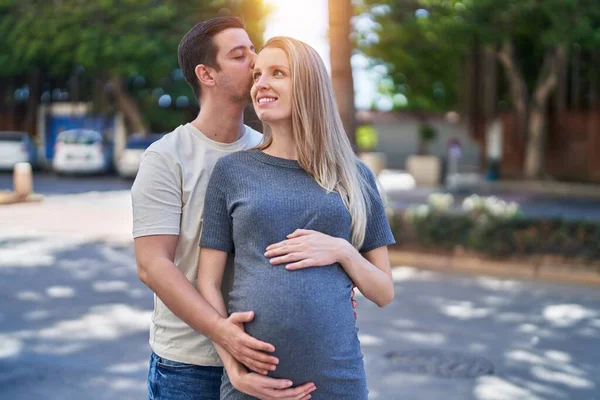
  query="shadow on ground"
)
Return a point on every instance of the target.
[
  {"x": 543, "y": 339},
  {"x": 74, "y": 318},
  {"x": 73, "y": 321}
]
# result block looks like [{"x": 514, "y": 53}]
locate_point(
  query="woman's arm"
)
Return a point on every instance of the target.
[{"x": 370, "y": 271}]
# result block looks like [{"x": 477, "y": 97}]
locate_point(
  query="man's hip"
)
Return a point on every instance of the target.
[{"x": 172, "y": 380}]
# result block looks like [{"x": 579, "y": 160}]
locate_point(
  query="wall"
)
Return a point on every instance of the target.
[
  {"x": 572, "y": 147},
  {"x": 398, "y": 138}
]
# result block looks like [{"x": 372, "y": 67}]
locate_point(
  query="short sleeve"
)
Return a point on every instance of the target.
[
  {"x": 156, "y": 197},
  {"x": 378, "y": 232},
  {"x": 216, "y": 221}
]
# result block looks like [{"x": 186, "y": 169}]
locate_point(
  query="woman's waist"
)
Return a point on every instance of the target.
[
  {"x": 273, "y": 287},
  {"x": 303, "y": 314}
]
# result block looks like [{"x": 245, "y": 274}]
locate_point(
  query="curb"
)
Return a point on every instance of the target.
[
  {"x": 546, "y": 269},
  {"x": 12, "y": 198},
  {"x": 555, "y": 188}
]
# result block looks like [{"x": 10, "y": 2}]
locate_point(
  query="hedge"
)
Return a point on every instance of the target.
[{"x": 494, "y": 228}]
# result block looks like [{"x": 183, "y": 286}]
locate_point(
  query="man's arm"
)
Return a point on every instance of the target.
[
  {"x": 154, "y": 255},
  {"x": 156, "y": 200},
  {"x": 211, "y": 267}
]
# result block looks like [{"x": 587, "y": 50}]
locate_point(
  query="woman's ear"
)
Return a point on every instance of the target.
[{"x": 204, "y": 75}]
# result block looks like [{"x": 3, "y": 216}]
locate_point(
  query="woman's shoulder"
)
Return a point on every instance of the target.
[
  {"x": 233, "y": 164},
  {"x": 364, "y": 171},
  {"x": 235, "y": 159}
]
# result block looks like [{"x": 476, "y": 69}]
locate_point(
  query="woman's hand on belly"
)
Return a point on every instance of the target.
[
  {"x": 266, "y": 388},
  {"x": 306, "y": 248}
]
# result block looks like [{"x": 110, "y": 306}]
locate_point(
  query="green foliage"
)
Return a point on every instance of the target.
[
  {"x": 425, "y": 51},
  {"x": 486, "y": 227},
  {"x": 132, "y": 36},
  {"x": 427, "y": 133},
  {"x": 103, "y": 38},
  {"x": 366, "y": 137}
]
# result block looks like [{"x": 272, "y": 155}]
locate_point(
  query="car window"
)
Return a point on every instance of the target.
[
  {"x": 80, "y": 137},
  {"x": 11, "y": 136}
]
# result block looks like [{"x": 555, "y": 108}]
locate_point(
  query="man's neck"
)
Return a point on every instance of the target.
[{"x": 221, "y": 123}]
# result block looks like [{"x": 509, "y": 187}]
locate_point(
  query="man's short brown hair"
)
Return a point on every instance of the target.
[{"x": 197, "y": 47}]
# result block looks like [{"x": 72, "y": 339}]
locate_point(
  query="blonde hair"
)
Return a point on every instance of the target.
[{"x": 322, "y": 145}]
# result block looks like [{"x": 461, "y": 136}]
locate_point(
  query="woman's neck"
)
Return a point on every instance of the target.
[{"x": 283, "y": 144}]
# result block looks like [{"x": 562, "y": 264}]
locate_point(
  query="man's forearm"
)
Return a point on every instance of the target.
[
  {"x": 182, "y": 298},
  {"x": 213, "y": 296}
]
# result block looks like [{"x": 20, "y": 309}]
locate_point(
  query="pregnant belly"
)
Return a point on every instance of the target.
[{"x": 307, "y": 315}]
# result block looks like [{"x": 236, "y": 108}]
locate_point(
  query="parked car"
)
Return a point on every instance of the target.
[
  {"x": 128, "y": 163},
  {"x": 81, "y": 151},
  {"x": 16, "y": 147}
]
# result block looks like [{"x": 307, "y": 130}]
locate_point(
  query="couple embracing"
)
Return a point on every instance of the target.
[{"x": 253, "y": 243}]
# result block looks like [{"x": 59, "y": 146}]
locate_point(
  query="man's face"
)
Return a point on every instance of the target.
[{"x": 235, "y": 57}]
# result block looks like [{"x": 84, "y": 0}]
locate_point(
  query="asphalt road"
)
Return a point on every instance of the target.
[{"x": 51, "y": 184}]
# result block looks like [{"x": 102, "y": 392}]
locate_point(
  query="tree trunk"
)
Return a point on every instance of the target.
[
  {"x": 575, "y": 78},
  {"x": 560, "y": 94},
  {"x": 128, "y": 106},
  {"x": 518, "y": 88},
  {"x": 489, "y": 96},
  {"x": 34, "y": 80},
  {"x": 534, "y": 154},
  {"x": 340, "y": 12},
  {"x": 536, "y": 141},
  {"x": 532, "y": 115},
  {"x": 473, "y": 83}
]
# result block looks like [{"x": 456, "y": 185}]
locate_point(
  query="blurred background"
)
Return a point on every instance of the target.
[{"x": 481, "y": 119}]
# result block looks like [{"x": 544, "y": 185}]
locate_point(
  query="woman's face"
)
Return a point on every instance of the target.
[{"x": 272, "y": 89}]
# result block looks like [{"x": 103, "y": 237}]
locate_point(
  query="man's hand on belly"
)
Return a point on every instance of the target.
[{"x": 249, "y": 351}]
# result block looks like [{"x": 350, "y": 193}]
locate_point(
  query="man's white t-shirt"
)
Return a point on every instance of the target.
[{"x": 168, "y": 199}]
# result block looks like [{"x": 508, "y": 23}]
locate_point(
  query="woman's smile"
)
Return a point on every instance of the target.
[{"x": 265, "y": 100}]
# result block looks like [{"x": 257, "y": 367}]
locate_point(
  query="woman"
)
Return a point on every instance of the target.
[{"x": 304, "y": 176}]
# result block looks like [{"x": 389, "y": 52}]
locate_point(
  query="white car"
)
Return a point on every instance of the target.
[
  {"x": 16, "y": 147},
  {"x": 81, "y": 151},
  {"x": 128, "y": 162}
]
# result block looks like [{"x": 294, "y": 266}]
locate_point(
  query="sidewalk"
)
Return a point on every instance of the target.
[
  {"x": 541, "y": 199},
  {"x": 547, "y": 188}
]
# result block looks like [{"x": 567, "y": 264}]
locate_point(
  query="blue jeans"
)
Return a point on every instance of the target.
[{"x": 171, "y": 380}]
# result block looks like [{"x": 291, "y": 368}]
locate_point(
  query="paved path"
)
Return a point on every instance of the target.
[
  {"x": 73, "y": 319},
  {"x": 399, "y": 187}
]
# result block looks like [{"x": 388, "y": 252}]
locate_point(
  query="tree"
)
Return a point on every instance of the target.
[
  {"x": 340, "y": 12},
  {"x": 530, "y": 39},
  {"x": 110, "y": 39},
  {"x": 423, "y": 65}
]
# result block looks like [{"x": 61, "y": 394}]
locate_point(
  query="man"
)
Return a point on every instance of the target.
[{"x": 216, "y": 58}]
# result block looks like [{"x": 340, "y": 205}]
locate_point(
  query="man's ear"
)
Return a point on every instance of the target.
[{"x": 204, "y": 75}]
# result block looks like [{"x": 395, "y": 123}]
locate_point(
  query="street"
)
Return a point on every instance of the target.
[
  {"x": 532, "y": 204},
  {"x": 74, "y": 316}
]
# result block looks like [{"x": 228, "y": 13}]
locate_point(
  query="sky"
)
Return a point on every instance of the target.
[{"x": 307, "y": 20}]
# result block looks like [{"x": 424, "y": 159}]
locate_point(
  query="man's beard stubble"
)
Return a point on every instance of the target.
[{"x": 245, "y": 98}]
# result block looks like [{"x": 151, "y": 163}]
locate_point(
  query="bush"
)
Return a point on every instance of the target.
[{"x": 493, "y": 227}]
